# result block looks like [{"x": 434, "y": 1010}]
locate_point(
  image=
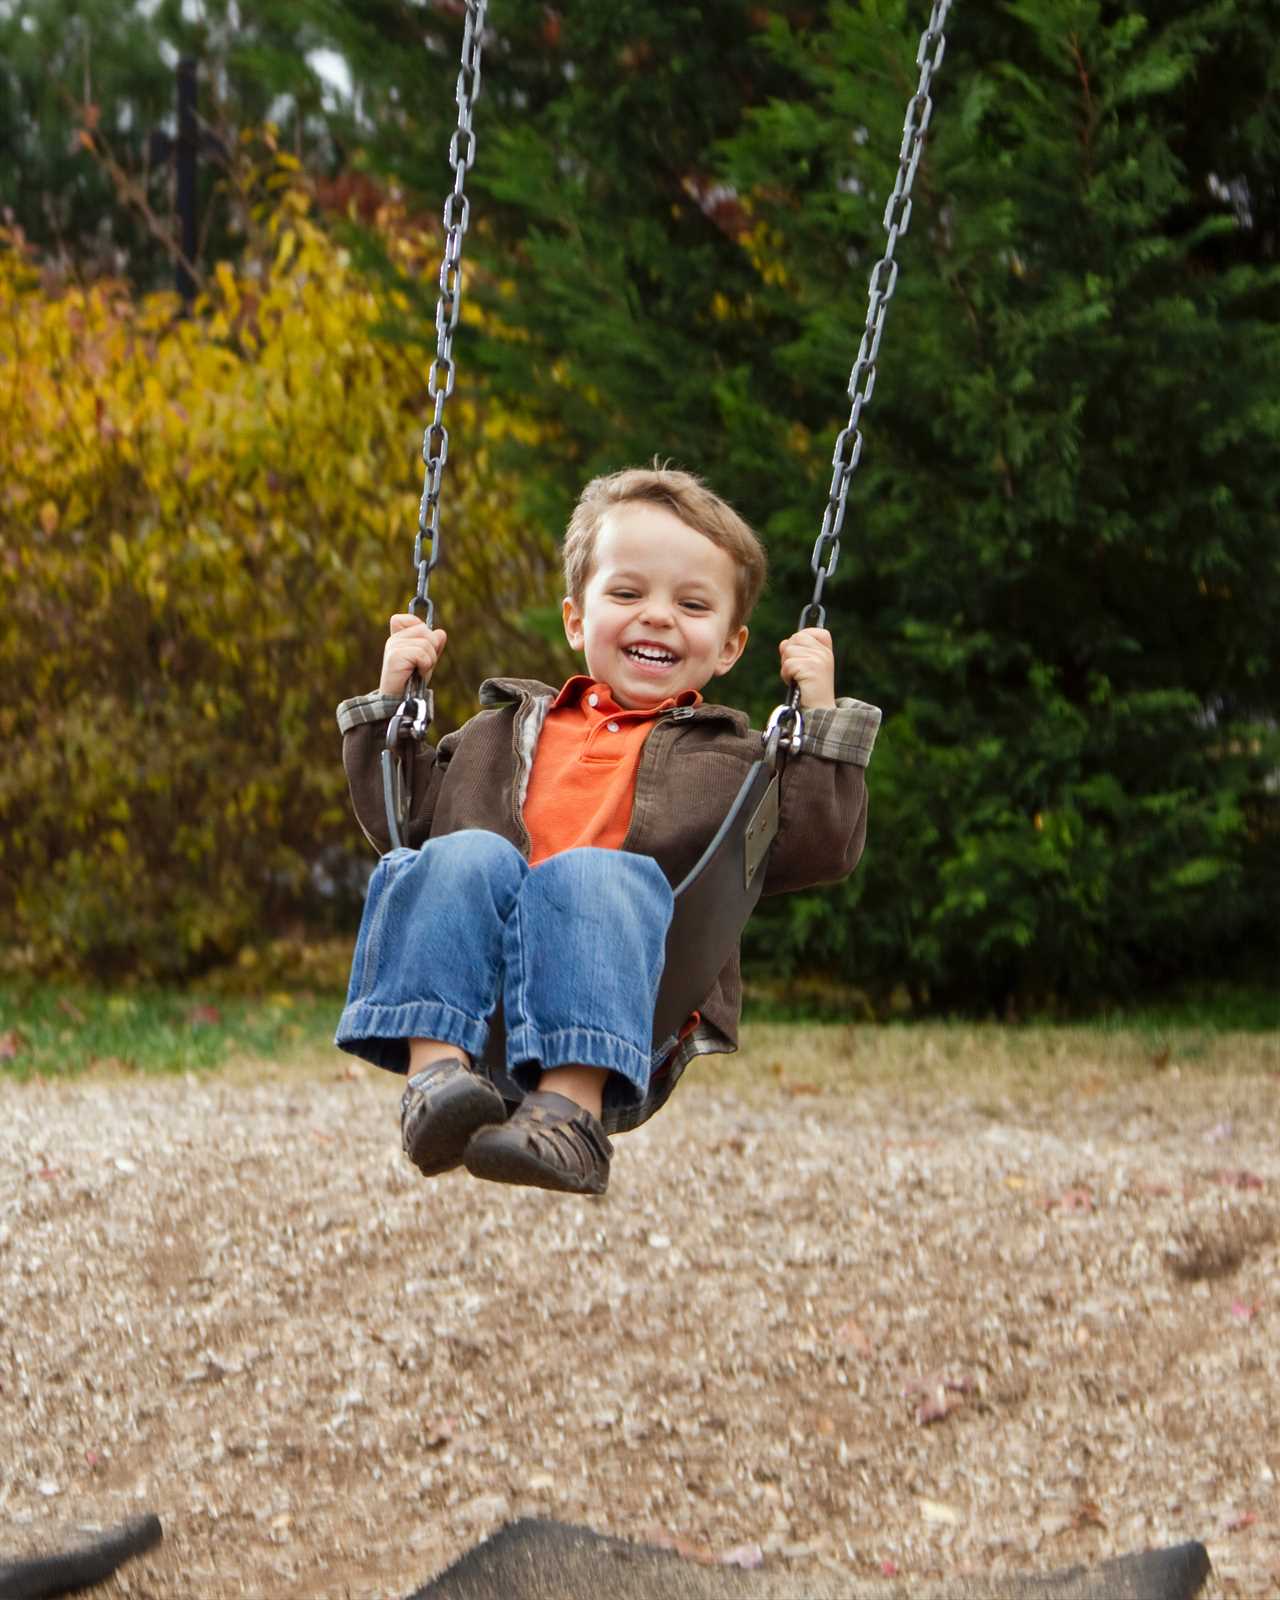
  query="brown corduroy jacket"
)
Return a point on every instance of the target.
[{"x": 693, "y": 764}]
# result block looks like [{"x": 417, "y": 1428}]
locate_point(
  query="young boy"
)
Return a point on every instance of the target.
[{"x": 545, "y": 836}]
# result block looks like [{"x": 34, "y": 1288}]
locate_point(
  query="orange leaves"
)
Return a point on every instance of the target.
[
  {"x": 1234, "y": 1179},
  {"x": 205, "y": 521}
]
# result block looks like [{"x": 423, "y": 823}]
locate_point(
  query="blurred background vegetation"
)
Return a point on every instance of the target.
[{"x": 1061, "y": 574}]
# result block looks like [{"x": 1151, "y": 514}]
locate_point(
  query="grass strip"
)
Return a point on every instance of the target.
[{"x": 55, "y": 1030}]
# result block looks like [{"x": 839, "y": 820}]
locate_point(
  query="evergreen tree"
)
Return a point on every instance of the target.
[
  {"x": 1066, "y": 572},
  {"x": 1061, "y": 574}
]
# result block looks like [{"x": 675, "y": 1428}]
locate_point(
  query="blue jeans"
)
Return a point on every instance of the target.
[{"x": 573, "y": 948}]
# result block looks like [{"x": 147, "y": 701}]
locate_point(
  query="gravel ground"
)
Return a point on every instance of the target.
[{"x": 856, "y": 1316}]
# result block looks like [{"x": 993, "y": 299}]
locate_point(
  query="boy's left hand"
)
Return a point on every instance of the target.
[{"x": 809, "y": 662}]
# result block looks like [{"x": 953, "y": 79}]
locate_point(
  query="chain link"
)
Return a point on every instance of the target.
[
  {"x": 457, "y": 215},
  {"x": 884, "y": 280}
]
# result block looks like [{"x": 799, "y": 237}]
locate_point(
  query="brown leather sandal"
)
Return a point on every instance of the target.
[
  {"x": 444, "y": 1103},
  {"x": 550, "y": 1142}
]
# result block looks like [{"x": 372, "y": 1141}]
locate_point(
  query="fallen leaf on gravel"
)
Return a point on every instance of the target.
[
  {"x": 802, "y": 1088},
  {"x": 747, "y": 1556},
  {"x": 889, "y": 1568},
  {"x": 936, "y": 1407},
  {"x": 959, "y": 1383},
  {"x": 484, "y": 1508},
  {"x": 852, "y": 1333},
  {"x": 686, "y": 1549},
  {"x": 1087, "y": 1514},
  {"x": 1071, "y": 1200},
  {"x": 49, "y": 1172},
  {"x": 941, "y": 1396},
  {"x": 1013, "y": 1181},
  {"x": 11, "y": 1044},
  {"x": 1244, "y": 1310},
  {"x": 1237, "y": 1520},
  {"x": 1235, "y": 1179},
  {"x": 438, "y": 1433},
  {"x": 938, "y": 1511}
]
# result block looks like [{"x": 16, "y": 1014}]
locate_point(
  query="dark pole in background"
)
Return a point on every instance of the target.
[{"x": 186, "y": 165}]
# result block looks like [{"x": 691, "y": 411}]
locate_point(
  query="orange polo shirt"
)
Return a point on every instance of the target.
[{"x": 583, "y": 782}]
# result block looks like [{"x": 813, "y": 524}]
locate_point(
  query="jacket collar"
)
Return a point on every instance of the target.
[
  {"x": 512, "y": 691},
  {"x": 495, "y": 692}
]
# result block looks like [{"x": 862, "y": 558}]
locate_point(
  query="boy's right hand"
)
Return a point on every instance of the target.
[{"x": 412, "y": 647}]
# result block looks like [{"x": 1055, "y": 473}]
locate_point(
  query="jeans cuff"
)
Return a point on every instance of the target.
[
  {"x": 530, "y": 1053},
  {"x": 380, "y": 1034}
]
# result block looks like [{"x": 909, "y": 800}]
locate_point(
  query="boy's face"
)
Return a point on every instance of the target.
[{"x": 656, "y": 618}]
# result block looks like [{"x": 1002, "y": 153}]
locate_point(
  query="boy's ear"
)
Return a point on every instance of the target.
[
  {"x": 734, "y": 645},
  {"x": 573, "y": 630}
]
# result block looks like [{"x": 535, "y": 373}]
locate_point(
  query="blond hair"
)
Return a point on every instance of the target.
[{"x": 690, "y": 500}]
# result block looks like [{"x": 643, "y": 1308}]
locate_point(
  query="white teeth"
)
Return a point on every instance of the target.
[{"x": 642, "y": 653}]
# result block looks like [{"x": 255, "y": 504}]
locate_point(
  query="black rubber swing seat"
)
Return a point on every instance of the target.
[
  {"x": 89, "y": 1558},
  {"x": 536, "y": 1559},
  {"x": 712, "y": 906}
]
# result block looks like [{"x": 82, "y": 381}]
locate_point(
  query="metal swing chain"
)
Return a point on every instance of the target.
[
  {"x": 862, "y": 379},
  {"x": 457, "y": 215},
  {"x": 410, "y": 721}
]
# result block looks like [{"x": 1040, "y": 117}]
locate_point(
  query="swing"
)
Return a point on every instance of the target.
[{"x": 714, "y": 901}]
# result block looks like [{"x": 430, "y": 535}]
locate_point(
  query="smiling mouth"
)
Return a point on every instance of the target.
[{"x": 650, "y": 656}]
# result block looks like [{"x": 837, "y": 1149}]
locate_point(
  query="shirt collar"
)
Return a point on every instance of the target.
[{"x": 577, "y": 688}]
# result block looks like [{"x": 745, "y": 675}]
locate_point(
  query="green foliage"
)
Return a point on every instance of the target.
[{"x": 1060, "y": 577}]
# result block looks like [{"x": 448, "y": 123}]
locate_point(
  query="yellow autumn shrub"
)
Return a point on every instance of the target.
[{"x": 204, "y": 524}]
